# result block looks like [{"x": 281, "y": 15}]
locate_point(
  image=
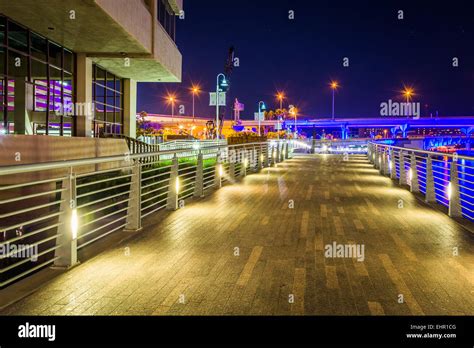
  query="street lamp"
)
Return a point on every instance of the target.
[
  {"x": 172, "y": 99},
  {"x": 261, "y": 106},
  {"x": 195, "y": 90},
  {"x": 408, "y": 92},
  {"x": 219, "y": 87},
  {"x": 280, "y": 97},
  {"x": 293, "y": 112},
  {"x": 334, "y": 85}
]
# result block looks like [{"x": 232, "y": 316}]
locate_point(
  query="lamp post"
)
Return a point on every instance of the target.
[
  {"x": 261, "y": 106},
  {"x": 408, "y": 93},
  {"x": 334, "y": 86},
  {"x": 195, "y": 90},
  {"x": 293, "y": 112},
  {"x": 218, "y": 89},
  {"x": 280, "y": 97},
  {"x": 171, "y": 99}
]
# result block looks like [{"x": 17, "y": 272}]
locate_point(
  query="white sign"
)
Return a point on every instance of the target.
[
  {"x": 261, "y": 116},
  {"x": 213, "y": 101}
]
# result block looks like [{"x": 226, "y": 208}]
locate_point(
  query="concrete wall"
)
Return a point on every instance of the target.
[
  {"x": 39, "y": 149},
  {"x": 133, "y": 16}
]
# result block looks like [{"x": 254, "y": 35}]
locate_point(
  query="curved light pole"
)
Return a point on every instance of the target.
[
  {"x": 261, "y": 106},
  {"x": 218, "y": 89}
]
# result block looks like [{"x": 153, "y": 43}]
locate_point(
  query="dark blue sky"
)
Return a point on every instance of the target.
[{"x": 301, "y": 56}]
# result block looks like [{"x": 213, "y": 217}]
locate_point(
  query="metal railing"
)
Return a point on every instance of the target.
[
  {"x": 49, "y": 211},
  {"x": 447, "y": 179}
]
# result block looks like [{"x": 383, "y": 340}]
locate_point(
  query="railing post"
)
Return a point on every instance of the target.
[
  {"x": 260, "y": 158},
  {"x": 244, "y": 161},
  {"x": 414, "y": 185},
  {"x": 403, "y": 175},
  {"x": 199, "y": 183},
  {"x": 219, "y": 172},
  {"x": 386, "y": 170},
  {"x": 134, "y": 218},
  {"x": 231, "y": 158},
  {"x": 393, "y": 166},
  {"x": 454, "y": 194},
  {"x": 66, "y": 253},
  {"x": 173, "y": 189},
  {"x": 313, "y": 146},
  {"x": 268, "y": 156},
  {"x": 277, "y": 156},
  {"x": 287, "y": 150},
  {"x": 282, "y": 152},
  {"x": 430, "y": 189}
]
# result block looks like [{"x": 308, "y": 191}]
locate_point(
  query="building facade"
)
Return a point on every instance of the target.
[{"x": 71, "y": 67}]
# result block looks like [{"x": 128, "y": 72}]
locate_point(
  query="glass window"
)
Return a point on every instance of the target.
[
  {"x": 68, "y": 61},
  {"x": 55, "y": 54},
  {"x": 39, "y": 47},
  {"x": 2, "y": 29},
  {"x": 17, "y": 64},
  {"x": 17, "y": 37},
  {"x": 2, "y": 61},
  {"x": 107, "y": 100},
  {"x": 34, "y": 67}
]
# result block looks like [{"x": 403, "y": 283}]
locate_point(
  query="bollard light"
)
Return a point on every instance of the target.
[
  {"x": 410, "y": 175},
  {"x": 74, "y": 223},
  {"x": 390, "y": 165},
  {"x": 325, "y": 148},
  {"x": 261, "y": 158},
  {"x": 246, "y": 162},
  {"x": 176, "y": 185},
  {"x": 449, "y": 191}
]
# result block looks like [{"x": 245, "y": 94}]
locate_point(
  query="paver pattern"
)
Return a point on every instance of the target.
[{"x": 258, "y": 248}]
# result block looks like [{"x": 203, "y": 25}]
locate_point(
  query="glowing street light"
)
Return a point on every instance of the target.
[
  {"x": 172, "y": 99},
  {"x": 293, "y": 112},
  {"x": 334, "y": 85},
  {"x": 195, "y": 91},
  {"x": 261, "y": 106},
  {"x": 280, "y": 96},
  {"x": 408, "y": 92}
]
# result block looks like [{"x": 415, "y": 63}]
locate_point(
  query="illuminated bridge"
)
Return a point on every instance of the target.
[{"x": 262, "y": 228}]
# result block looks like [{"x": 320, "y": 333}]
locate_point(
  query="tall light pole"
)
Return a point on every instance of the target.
[
  {"x": 171, "y": 99},
  {"x": 261, "y": 106},
  {"x": 195, "y": 90},
  {"x": 293, "y": 112},
  {"x": 280, "y": 97},
  {"x": 218, "y": 89},
  {"x": 408, "y": 92},
  {"x": 334, "y": 86}
]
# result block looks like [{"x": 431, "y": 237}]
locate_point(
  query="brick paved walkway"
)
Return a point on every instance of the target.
[{"x": 244, "y": 250}]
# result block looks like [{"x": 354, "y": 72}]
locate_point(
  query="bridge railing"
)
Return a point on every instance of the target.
[
  {"x": 447, "y": 179},
  {"x": 49, "y": 211}
]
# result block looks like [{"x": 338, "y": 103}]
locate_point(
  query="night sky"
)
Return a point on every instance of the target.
[{"x": 301, "y": 56}]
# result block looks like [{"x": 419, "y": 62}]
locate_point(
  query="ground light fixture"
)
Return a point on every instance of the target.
[
  {"x": 221, "y": 170},
  {"x": 246, "y": 162},
  {"x": 449, "y": 191},
  {"x": 177, "y": 185},
  {"x": 410, "y": 175},
  {"x": 74, "y": 223}
]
